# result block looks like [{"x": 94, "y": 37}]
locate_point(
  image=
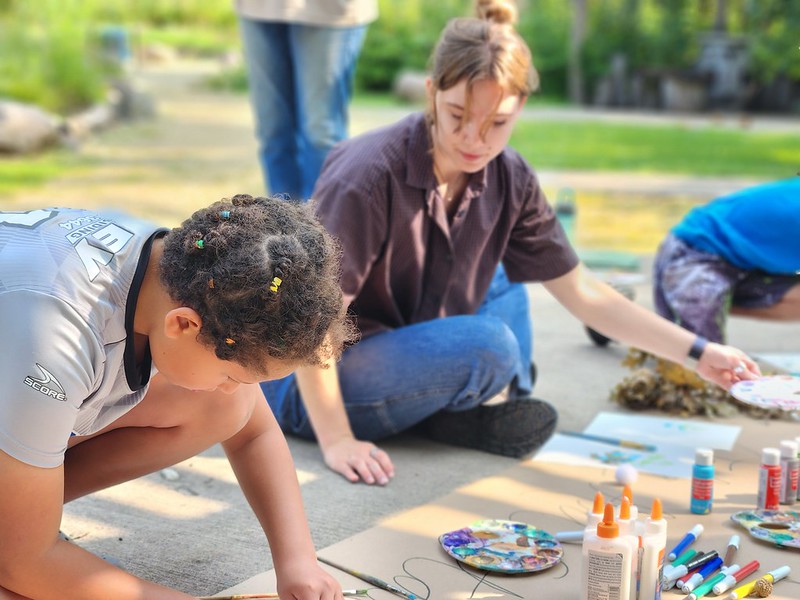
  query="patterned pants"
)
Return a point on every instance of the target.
[{"x": 696, "y": 289}]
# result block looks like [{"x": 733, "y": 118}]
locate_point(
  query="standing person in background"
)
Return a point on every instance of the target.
[
  {"x": 426, "y": 209},
  {"x": 128, "y": 348},
  {"x": 739, "y": 254},
  {"x": 301, "y": 59}
]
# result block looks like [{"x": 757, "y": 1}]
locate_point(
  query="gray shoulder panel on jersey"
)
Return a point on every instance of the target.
[{"x": 52, "y": 361}]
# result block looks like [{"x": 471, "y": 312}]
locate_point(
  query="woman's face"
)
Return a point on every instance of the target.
[{"x": 468, "y": 142}]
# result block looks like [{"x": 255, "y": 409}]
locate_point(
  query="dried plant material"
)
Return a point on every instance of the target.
[{"x": 662, "y": 385}]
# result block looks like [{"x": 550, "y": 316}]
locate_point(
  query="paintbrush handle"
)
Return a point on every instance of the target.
[{"x": 273, "y": 595}]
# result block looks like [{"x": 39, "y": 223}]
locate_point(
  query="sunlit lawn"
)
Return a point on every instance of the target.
[
  {"x": 705, "y": 151},
  {"x": 21, "y": 172}
]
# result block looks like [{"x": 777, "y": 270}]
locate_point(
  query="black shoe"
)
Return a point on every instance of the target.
[{"x": 513, "y": 428}]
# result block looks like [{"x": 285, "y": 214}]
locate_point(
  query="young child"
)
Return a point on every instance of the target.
[
  {"x": 738, "y": 254},
  {"x": 127, "y": 348},
  {"x": 426, "y": 209}
]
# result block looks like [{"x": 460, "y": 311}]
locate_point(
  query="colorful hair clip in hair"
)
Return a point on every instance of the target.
[
  {"x": 225, "y": 214},
  {"x": 275, "y": 284},
  {"x": 230, "y": 341},
  {"x": 200, "y": 244},
  {"x": 211, "y": 283}
]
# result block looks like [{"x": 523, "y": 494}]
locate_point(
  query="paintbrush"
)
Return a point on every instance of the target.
[
  {"x": 370, "y": 579},
  {"x": 273, "y": 595}
]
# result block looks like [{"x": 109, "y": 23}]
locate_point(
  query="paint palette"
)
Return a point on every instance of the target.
[
  {"x": 781, "y": 528},
  {"x": 776, "y": 391},
  {"x": 504, "y": 546}
]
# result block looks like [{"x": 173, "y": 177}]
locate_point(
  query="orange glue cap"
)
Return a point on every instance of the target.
[
  {"x": 656, "y": 513},
  {"x": 597, "y": 507},
  {"x": 625, "y": 509},
  {"x": 607, "y": 528}
]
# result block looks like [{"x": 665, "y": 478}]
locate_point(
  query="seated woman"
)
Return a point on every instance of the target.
[
  {"x": 426, "y": 210},
  {"x": 738, "y": 254}
]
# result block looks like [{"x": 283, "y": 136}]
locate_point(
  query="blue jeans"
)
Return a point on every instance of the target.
[
  {"x": 393, "y": 380},
  {"x": 301, "y": 81}
]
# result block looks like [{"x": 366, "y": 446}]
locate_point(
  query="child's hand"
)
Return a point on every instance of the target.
[{"x": 307, "y": 581}]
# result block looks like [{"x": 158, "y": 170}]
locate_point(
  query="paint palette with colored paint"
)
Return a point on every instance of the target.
[
  {"x": 781, "y": 528},
  {"x": 505, "y": 546},
  {"x": 776, "y": 391}
]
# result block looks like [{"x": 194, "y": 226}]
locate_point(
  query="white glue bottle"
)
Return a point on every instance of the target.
[
  {"x": 593, "y": 517},
  {"x": 654, "y": 544},
  {"x": 627, "y": 533},
  {"x": 606, "y": 562}
]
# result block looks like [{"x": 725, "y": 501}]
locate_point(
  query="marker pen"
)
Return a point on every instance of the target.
[
  {"x": 733, "y": 546},
  {"x": 690, "y": 537},
  {"x": 569, "y": 536},
  {"x": 700, "y": 560},
  {"x": 705, "y": 587},
  {"x": 746, "y": 589},
  {"x": 701, "y": 576},
  {"x": 678, "y": 568},
  {"x": 732, "y": 578}
]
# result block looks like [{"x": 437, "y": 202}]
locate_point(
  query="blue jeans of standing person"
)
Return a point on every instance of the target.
[
  {"x": 393, "y": 380},
  {"x": 301, "y": 81}
]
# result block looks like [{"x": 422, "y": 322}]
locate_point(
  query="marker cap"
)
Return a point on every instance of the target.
[{"x": 780, "y": 572}]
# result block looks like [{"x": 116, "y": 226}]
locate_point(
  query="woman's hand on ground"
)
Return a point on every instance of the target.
[
  {"x": 359, "y": 461},
  {"x": 725, "y": 365}
]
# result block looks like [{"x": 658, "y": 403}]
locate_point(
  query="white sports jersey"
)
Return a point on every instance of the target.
[{"x": 69, "y": 281}]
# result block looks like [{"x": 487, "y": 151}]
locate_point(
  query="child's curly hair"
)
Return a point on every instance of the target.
[{"x": 263, "y": 274}]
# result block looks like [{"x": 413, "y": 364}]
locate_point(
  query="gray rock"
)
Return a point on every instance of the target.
[{"x": 25, "y": 128}]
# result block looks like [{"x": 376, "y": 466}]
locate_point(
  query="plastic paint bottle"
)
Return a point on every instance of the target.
[
  {"x": 769, "y": 480},
  {"x": 606, "y": 562},
  {"x": 654, "y": 544},
  {"x": 797, "y": 439},
  {"x": 790, "y": 471},
  {"x": 627, "y": 491},
  {"x": 627, "y": 533},
  {"x": 702, "y": 482},
  {"x": 594, "y": 517}
]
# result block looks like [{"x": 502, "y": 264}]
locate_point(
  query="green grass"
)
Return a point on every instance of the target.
[
  {"x": 708, "y": 151},
  {"x": 25, "y": 172}
]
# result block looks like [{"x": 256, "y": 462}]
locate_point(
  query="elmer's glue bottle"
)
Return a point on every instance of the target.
[
  {"x": 654, "y": 543},
  {"x": 594, "y": 517},
  {"x": 628, "y": 493},
  {"x": 627, "y": 533},
  {"x": 606, "y": 562}
]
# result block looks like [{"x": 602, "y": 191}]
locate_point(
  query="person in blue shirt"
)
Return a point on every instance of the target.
[{"x": 739, "y": 254}]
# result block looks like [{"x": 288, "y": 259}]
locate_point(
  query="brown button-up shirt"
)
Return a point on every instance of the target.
[{"x": 404, "y": 261}]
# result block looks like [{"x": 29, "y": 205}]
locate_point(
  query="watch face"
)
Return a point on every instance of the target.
[
  {"x": 504, "y": 546},
  {"x": 775, "y": 391}
]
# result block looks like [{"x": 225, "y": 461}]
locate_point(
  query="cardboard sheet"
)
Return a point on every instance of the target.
[{"x": 404, "y": 549}]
